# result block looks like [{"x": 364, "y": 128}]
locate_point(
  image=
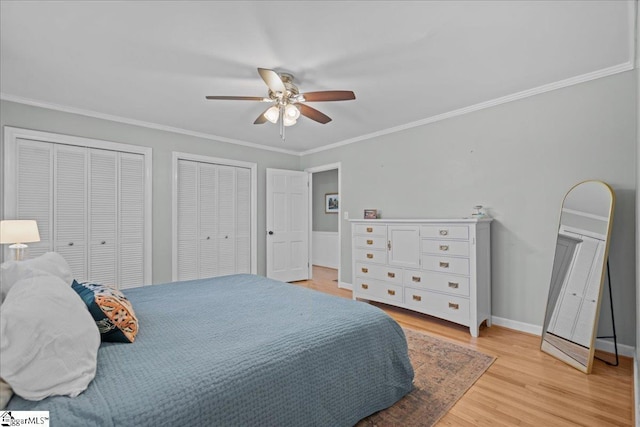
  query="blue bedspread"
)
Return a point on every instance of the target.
[{"x": 242, "y": 350}]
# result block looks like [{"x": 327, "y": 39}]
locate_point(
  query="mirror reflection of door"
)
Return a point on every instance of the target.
[{"x": 577, "y": 274}]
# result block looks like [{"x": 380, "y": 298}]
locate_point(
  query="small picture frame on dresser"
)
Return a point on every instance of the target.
[{"x": 370, "y": 214}]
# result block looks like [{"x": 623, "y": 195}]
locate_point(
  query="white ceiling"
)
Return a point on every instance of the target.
[{"x": 409, "y": 63}]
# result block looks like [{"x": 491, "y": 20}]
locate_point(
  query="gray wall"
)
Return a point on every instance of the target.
[
  {"x": 323, "y": 183},
  {"x": 518, "y": 160},
  {"x": 163, "y": 143}
]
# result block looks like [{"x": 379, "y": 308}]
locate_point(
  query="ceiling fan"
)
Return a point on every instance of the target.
[{"x": 287, "y": 101}]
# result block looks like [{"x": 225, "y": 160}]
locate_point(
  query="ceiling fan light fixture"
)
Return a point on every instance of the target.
[
  {"x": 288, "y": 121},
  {"x": 272, "y": 114},
  {"x": 292, "y": 112}
]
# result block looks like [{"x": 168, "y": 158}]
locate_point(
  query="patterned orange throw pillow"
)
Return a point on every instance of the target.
[{"x": 111, "y": 310}]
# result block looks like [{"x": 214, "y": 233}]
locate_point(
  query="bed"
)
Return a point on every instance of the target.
[{"x": 241, "y": 350}]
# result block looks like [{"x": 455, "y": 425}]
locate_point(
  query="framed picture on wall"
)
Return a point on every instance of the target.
[{"x": 331, "y": 203}]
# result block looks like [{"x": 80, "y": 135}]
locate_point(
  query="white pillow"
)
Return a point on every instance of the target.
[
  {"x": 5, "y": 394},
  {"x": 48, "y": 340},
  {"x": 49, "y": 263}
]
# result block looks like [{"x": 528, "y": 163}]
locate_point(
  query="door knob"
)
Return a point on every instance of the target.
[{"x": 270, "y": 233}]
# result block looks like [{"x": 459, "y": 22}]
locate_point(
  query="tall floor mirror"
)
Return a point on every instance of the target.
[{"x": 579, "y": 266}]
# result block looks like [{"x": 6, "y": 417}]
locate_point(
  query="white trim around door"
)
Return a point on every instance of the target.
[
  {"x": 253, "y": 167},
  {"x": 12, "y": 134},
  {"x": 311, "y": 171}
]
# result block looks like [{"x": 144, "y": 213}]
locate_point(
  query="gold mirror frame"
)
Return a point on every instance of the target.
[{"x": 577, "y": 278}]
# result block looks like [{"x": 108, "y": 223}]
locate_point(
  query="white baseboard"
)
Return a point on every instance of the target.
[
  {"x": 636, "y": 389},
  {"x": 601, "y": 344},
  {"x": 516, "y": 325},
  {"x": 345, "y": 285}
]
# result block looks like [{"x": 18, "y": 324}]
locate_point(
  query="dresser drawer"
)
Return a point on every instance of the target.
[
  {"x": 378, "y": 289},
  {"x": 445, "y": 231},
  {"x": 445, "y": 247},
  {"x": 445, "y": 264},
  {"x": 374, "y": 242},
  {"x": 454, "y": 285},
  {"x": 378, "y": 256},
  {"x": 371, "y": 230},
  {"x": 380, "y": 272},
  {"x": 455, "y": 309}
]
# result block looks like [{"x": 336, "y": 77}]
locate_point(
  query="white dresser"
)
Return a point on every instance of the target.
[{"x": 440, "y": 267}]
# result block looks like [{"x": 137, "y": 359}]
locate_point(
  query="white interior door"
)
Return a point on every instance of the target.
[{"x": 287, "y": 225}]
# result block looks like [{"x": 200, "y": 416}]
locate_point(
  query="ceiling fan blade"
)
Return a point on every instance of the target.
[
  {"x": 238, "y": 98},
  {"x": 261, "y": 118},
  {"x": 313, "y": 114},
  {"x": 329, "y": 95},
  {"x": 272, "y": 79}
]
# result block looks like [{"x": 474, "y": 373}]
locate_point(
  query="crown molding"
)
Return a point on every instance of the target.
[
  {"x": 156, "y": 126},
  {"x": 620, "y": 68},
  {"x": 487, "y": 104}
]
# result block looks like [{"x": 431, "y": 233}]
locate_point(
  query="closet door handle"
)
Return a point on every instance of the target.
[
  {"x": 103, "y": 242},
  {"x": 70, "y": 243}
]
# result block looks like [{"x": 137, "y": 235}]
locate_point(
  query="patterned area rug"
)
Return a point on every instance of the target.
[{"x": 443, "y": 373}]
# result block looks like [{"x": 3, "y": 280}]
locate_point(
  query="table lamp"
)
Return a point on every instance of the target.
[{"x": 17, "y": 233}]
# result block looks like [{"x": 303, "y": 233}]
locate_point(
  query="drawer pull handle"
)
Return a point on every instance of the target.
[
  {"x": 369, "y": 242},
  {"x": 444, "y": 232},
  {"x": 365, "y": 286},
  {"x": 417, "y": 298},
  {"x": 369, "y": 229},
  {"x": 416, "y": 278},
  {"x": 365, "y": 270},
  {"x": 391, "y": 292},
  {"x": 444, "y": 264},
  {"x": 392, "y": 275},
  {"x": 370, "y": 256},
  {"x": 454, "y": 306},
  {"x": 444, "y": 248},
  {"x": 453, "y": 285}
]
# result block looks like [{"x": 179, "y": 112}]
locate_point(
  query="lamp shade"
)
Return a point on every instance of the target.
[{"x": 19, "y": 231}]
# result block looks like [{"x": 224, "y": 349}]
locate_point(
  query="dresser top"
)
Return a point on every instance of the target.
[{"x": 466, "y": 220}]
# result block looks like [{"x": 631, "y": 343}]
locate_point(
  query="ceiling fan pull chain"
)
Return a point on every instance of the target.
[{"x": 281, "y": 120}]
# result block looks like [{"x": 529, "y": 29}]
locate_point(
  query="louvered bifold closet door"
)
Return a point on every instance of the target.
[
  {"x": 213, "y": 220},
  {"x": 103, "y": 206},
  {"x": 70, "y": 207},
  {"x": 34, "y": 191},
  {"x": 208, "y": 220},
  {"x": 226, "y": 221},
  {"x": 131, "y": 220},
  {"x": 187, "y": 221},
  {"x": 243, "y": 220}
]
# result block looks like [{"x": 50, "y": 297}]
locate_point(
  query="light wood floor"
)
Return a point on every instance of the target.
[{"x": 524, "y": 386}]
